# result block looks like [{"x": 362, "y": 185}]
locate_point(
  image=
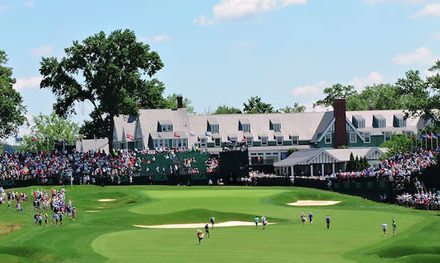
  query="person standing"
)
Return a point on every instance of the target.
[
  {"x": 212, "y": 220},
  {"x": 384, "y": 229},
  {"x": 207, "y": 231},
  {"x": 256, "y": 220},
  {"x": 264, "y": 222},
  {"x": 310, "y": 217},
  {"x": 327, "y": 221},
  {"x": 394, "y": 227},
  {"x": 303, "y": 218},
  {"x": 199, "y": 235}
]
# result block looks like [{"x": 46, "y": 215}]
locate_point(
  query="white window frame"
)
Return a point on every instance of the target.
[
  {"x": 385, "y": 134},
  {"x": 328, "y": 138},
  {"x": 203, "y": 142},
  {"x": 264, "y": 140},
  {"x": 219, "y": 140},
  {"x": 367, "y": 137},
  {"x": 280, "y": 142},
  {"x": 246, "y": 127},
  {"x": 295, "y": 140},
  {"x": 353, "y": 137},
  {"x": 276, "y": 127}
]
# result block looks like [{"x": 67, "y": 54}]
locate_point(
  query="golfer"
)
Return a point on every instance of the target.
[
  {"x": 303, "y": 218},
  {"x": 310, "y": 217},
  {"x": 264, "y": 222},
  {"x": 327, "y": 221},
  {"x": 256, "y": 220},
  {"x": 384, "y": 229},
  {"x": 212, "y": 220},
  {"x": 199, "y": 235},
  {"x": 394, "y": 227},
  {"x": 207, "y": 231}
]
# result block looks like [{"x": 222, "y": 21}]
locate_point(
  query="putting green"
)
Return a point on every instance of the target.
[{"x": 109, "y": 236}]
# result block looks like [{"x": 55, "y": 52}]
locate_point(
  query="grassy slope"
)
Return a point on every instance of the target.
[{"x": 109, "y": 235}]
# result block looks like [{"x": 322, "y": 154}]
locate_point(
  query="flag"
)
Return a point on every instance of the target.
[
  {"x": 18, "y": 139},
  {"x": 421, "y": 136},
  {"x": 428, "y": 136},
  {"x": 433, "y": 135},
  {"x": 176, "y": 135},
  {"x": 130, "y": 137}
]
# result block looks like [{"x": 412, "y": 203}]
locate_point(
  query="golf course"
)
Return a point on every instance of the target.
[{"x": 124, "y": 224}]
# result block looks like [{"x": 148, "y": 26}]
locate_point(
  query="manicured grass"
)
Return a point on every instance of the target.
[{"x": 109, "y": 235}]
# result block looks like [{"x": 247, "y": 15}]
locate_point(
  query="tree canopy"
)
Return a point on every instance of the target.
[
  {"x": 114, "y": 72},
  {"x": 224, "y": 109},
  {"x": 47, "y": 131},
  {"x": 12, "y": 111},
  {"x": 296, "y": 108},
  {"x": 336, "y": 91},
  {"x": 171, "y": 103},
  {"x": 256, "y": 105},
  {"x": 423, "y": 94}
]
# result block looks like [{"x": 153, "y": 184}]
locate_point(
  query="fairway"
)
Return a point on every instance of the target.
[{"x": 105, "y": 231}]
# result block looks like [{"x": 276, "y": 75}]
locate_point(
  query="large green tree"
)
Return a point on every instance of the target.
[
  {"x": 49, "y": 130},
  {"x": 114, "y": 72},
  {"x": 224, "y": 109},
  {"x": 296, "y": 108},
  {"x": 423, "y": 93},
  {"x": 256, "y": 105},
  {"x": 399, "y": 143},
  {"x": 171, "y": 103},
  {"x": 377, "y": 97},
  {"x": 336, "y": 91},
  {"x": 12, "y": 111}
]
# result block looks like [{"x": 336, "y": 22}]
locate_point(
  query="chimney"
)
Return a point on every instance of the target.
[
  {"x": 340, "y": 118},
  {"x": 179, "y": 101}
]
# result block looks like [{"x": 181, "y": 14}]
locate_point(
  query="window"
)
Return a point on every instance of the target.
[
  {"x": 295, "y": 140},
  {"x": 358, "y": 121},
  {"x": 217, "y": 142},
  {"x": 202, "y": 142},
  {"x": 244, "y": 125},
  {"x": 249, "y": 141},
  {"x": 379, "y": 121},
  {"x": 264, "y": 141},
  {"x": 214, "y": 128},
  {"x": 233, "y": 140},
  {"x": 367, "y": 137},
  {"x": 387, "y": 136},
  {"x": 353, "y": 137},
  {"x": 279, "y": 140},
  {"x": 399, "y": 120},
  {"x": 328, "y": 138}
]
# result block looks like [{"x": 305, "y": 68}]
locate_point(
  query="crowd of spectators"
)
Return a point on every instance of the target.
[{"x": 422, "y": 200}]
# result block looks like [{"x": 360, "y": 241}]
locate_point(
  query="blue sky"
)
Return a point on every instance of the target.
[{"x": 224, "y": 51}]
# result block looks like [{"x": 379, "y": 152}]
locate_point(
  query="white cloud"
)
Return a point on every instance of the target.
[
  {"x": 372, "y": 78},
  {"x": 42, "y": 51},
  {"x": 430, "y": 10},
  {"x": 310, "y": 91},
  {"x": 28, "y": 83},
  {"x": 234, "y": 9},
  {"x": 156, "y": 39},
  {"x": 421, "y": 55},
  {"x": 29, "y": 3}
]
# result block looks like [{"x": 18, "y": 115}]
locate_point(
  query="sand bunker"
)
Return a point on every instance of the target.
[
  {"x": 92, "y": 211},
  {"x": 106, "y": 200},
  {"x": 313, "y": 203},
  {"x": 201, "y": 225}
]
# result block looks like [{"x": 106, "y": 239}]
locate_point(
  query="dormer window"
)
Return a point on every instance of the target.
[
  {"x": 379, "y": 121},
  {"x": 275, "y": 125},
  {"x": 279, "y": 138},
  {"x": 213, "y": 126},
  {"x": 233, "y": 139},
  {"x": 203, "y": 141},
  {"x": 244, "y": 125},
  {"x": 165, "y": 126},
  {"x": 358, "y": 121},
  {"x": 263, "y": 139},
  {"x": 295, "y": 139},
  {"x": 399, "y": 121}
]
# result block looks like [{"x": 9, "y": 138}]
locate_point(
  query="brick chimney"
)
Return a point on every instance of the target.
[
  {"x": 340, "y": 119},
  {"x": 179, "y": 101}
]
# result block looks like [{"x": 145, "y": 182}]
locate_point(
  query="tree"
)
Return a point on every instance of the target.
[
  {"x": 223, "y": 109},
  {"x": 423, "y": 94},
  {"x": 255, "y": 105},
  {"x": 377, "y": 97},
  {"x": 171, "y": 103},
  {"x": 110, "y": 72},
  {"x": 12, "y": 111},
  {"x": 296, "y": 108},
  {"x": 49, "y": 130},
  {"x": 336, "y": 91},
  {"x": 399, "y": 143}
]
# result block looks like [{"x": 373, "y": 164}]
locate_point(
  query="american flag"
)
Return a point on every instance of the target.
[{"x": 130, "y": 137}]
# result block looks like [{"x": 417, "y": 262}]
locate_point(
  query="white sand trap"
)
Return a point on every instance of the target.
[
  {"x": 106, "y": 200},
  {"x": 313, "y": 203},
  {"x": 92, "y": 211},
  {"x": 201, "y": 225}
]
